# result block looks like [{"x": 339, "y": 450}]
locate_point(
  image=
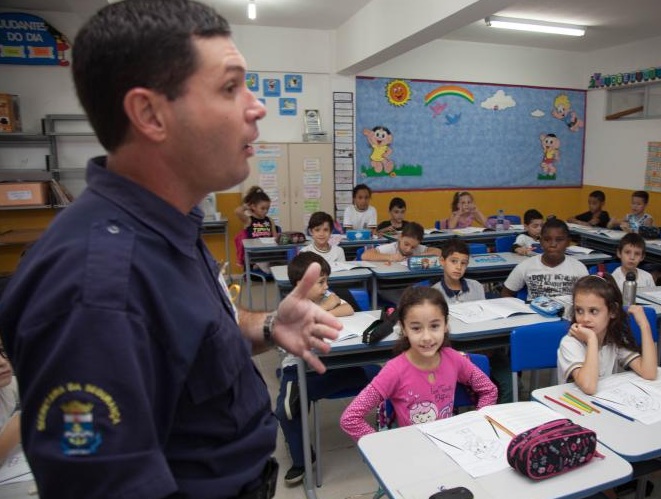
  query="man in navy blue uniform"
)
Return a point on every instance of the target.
[{"x": 134, "y": 367}]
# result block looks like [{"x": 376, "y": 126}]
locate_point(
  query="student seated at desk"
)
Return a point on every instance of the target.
[
  {"x": 253, "y": 215},
  {"x": 420, "y": 382},
  {"x": 596, "y": 216},
  {"x": 320, "y": 228},
  {"x": 397, "y": 211},
  {"x": 360, "y": 215},
  {"x": 631, "y": 251},
  {"x": 637, "y": 217},
  {"x": 287, "y": 408},
  {"x": 550, "y": 274},
  {"x": 10, "y": 425},
  {"x": 599, "y": 341},
  {"x": 454, "y": 286},
  {"x": 464, "y": 212},
  {"x": 408, "y": 244},
  {"x": 526, "y": 243}
]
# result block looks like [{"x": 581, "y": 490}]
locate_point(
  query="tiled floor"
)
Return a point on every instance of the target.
[{"x": 345, "y": 475}]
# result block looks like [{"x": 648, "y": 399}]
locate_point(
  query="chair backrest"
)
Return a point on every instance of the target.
[
  {"x": 462, "y": 397},
  {"x": 361, "y": 298},
  {"x": 477, "y": 248},
  {"x": 504, "y": 243},
  {"x": 359, "y": 253},
  {"x": 536, "y": 346},
  {"x": 650, "y": 313},
  {"x": 512, "y": 219},
  {"x": 291, "y": 253},
  {"x": 238, "y": 245},
  {"x": 608, "y": 267}
]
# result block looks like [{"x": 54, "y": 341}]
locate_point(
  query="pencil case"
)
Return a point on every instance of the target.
[
  {"x": 551, "y": 449},
  {"x": 359, "y": 235},
  {"x": 430, "y": 262},
  {"x": 381, "y": 327},
  {"x": 290, "y": 238},
  {"x": 547, "y": 306}
]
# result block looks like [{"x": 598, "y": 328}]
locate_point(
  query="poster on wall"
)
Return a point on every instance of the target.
[
  {"x": 30, "y": 40},
  {"x": 415, "y": 135},
  {"x": 653, "y": 167}
]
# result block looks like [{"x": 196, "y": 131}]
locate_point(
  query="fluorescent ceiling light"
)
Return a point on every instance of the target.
[
  {"x": 252, "y": 10},
  {"x": 536, "y": 26}
]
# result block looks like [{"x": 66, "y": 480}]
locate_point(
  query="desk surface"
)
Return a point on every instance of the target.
[
  {"x": 632, "y": 440},
  {"x": 408, "y": 465}
]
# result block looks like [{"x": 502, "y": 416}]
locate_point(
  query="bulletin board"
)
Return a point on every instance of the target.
[{"x": 422, "y": 134}]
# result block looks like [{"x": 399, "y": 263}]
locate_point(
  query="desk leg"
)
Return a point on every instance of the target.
[
  {"x": 374, "y": 293},
  {"x": 308, "y": 481}
]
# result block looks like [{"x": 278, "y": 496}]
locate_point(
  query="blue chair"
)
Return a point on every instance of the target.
[
  {"x": 504, "y": 243},
  {"x": 362, "y": 298},
  {"x": 477, "y": 248},
  {"x": 291, "y": 253},
  {"x": 608, "y": 267},
  {"x": 462, "y": 397},
  {"x": 535, "y": 347},
  {"x": 650, "y": 313},
  {"x": 371, "y": 370},
  {"x": 359, "y": 253}
]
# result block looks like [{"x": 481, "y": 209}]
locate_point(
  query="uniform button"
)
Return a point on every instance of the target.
[{"x": 113, "y": 229}]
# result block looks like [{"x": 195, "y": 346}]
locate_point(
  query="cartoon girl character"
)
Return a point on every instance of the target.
[
  {"x": 562, "y": 111},
  {"x": 380, "y": 139},
  {"x": 551, "y": 148},
  {"x": 423, "y": 412}
]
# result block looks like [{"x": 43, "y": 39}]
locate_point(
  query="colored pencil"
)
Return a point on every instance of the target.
[
  {"x": 572, "y": 396},
  {"x": 573, "y": 403},
  {"x": 493, "y": 422},
  {"x": 610, "y": 409},
  {"x": 563, "y": 405}
]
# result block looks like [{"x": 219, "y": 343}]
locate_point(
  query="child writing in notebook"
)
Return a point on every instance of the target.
[
  {"x": 360, "y": 215},
  {"x": 10, "y": 434},
  {"x": 599, "y": 342},
  {"x": 396, "y": 222},
  {"x": 464, "y": 212},
  {"x": 596, "y": 216},
  {"x": 421, "y": 380}
]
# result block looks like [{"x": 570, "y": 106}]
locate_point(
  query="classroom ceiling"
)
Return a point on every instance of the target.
[{"x": 609, "y": 22}]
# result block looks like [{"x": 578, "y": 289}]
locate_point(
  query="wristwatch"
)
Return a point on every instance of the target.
[{"x": 267, "y": 328}]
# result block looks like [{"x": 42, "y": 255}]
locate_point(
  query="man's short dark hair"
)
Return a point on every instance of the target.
[
  {"x": 137, "y": 43},
  {"x": 319, "y": 218},
  {"x": 531, "y": 215},
  {"x": 455, "y": 245},
  {"x": 414, "y": 230},
  {"x": 635, "y": 240},
  {"x": 599, "y": 195},
  {"x": 300, "y": 263},
  {"x": 555, "y": 223}
]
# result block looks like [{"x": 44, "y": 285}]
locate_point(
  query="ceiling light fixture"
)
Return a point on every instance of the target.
[
  {"x": 535, "y": 26},
  {"x": 252, "y": 10}
]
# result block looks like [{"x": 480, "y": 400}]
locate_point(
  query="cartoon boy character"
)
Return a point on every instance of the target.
[
  {"x": 562, "y": 111},
  {"x": 551, "y": 147},
  {"x": 380, "y": 139}
]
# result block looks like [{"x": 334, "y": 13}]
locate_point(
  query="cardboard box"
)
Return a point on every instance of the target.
[
  {"x": 10, "y": 113},
  {"x": 23, "y": 193}
]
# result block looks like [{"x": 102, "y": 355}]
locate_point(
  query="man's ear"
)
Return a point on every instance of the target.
[{"x": 144, "y": 108}]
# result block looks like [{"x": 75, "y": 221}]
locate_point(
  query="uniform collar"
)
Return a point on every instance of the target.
[
  {"x": 180, "y": 230},
  {"x": 452, "y": 292}
]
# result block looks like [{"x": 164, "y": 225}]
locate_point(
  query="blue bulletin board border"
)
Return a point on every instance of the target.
[{"x": 428, "y": 134}]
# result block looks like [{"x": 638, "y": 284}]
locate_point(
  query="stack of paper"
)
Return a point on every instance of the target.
[
  {"x": 574, "y": 249},
  {"x": 631, "y": 395}
]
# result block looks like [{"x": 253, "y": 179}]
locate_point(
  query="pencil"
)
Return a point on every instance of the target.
[
  {"x": 574, "y": 397},
  {"x": 573, "y": 403},
  {"x": 610, "y": 409},
  {"x": 493, "y": 422},
  {"x": 563, "y": 405},
  {"x": 493, "y": 428}
]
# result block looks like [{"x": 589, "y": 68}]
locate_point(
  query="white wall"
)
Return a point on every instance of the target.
[{"x": 616, "y": 151}]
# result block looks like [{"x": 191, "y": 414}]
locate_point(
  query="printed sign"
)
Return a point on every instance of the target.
[{"x": 28, "y": 39}]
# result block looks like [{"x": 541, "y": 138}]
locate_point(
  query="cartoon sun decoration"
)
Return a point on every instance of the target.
[{"x": 398, "y": 92}]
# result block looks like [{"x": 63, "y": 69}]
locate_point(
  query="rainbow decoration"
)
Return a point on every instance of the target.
[{"x": 449, "y": 90}]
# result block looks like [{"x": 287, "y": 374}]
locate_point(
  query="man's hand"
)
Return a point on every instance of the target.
[{"x": 301, "y": 325}]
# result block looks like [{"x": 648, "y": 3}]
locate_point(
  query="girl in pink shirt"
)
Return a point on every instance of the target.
[{"x": 420, "y": 382}]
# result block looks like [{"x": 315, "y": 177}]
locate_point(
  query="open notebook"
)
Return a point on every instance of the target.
[
  {"x": 485, "y": 310},
  {"x": 477, "y": 440}
]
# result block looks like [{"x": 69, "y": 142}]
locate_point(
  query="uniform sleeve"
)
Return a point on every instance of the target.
[
  {"x": 346, "y": 219},
  {"x": 353, "y": 420},
  {"x": 625, "y": 356},
  {"x": 516, "y": 280},
  {"x": 571, "y": 355},
  {"x": 89, "y": 406},
  {"x": 520, "y": 241},
  {"x": 371, "y": 222}
]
